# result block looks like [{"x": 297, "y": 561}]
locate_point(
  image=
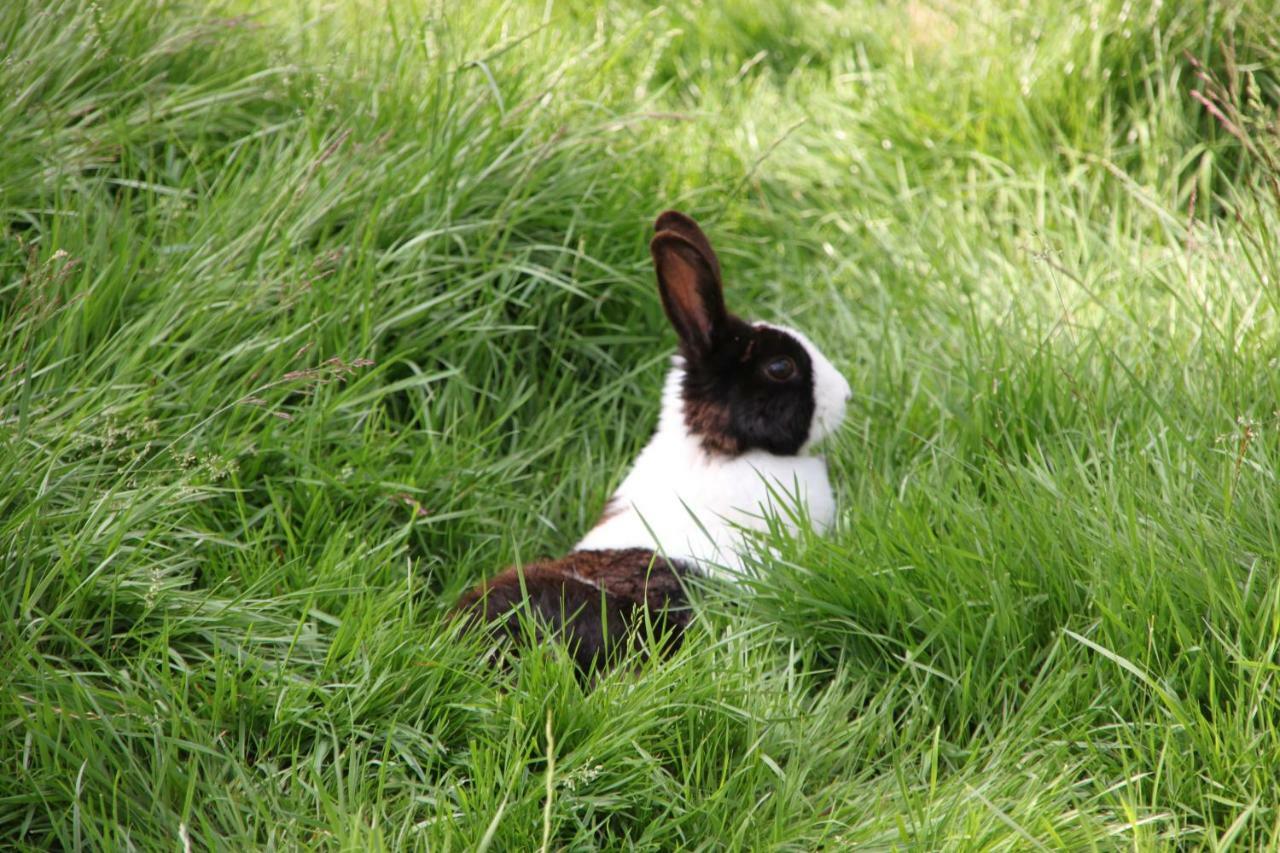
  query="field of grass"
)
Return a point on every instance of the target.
[{"x": 316, "y": 313}]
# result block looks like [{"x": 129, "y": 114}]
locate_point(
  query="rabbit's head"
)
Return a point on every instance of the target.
[{"x": 743, "y": 386}]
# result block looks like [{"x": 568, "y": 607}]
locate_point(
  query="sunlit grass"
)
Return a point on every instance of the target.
[{"x": 314, "y": 316}]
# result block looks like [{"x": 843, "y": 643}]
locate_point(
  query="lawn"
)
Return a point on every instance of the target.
[{"x": 314, "y": 314}]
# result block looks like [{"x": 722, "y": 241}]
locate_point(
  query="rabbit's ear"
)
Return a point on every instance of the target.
[
  {"x": 674, "y": 220},
  {"x": 690, "y": 288}
]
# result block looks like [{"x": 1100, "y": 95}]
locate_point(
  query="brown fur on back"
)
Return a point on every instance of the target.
[{"x": 597, "y": 602}]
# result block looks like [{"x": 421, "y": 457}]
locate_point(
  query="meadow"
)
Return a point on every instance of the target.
[{"x": 314, "y": 314}]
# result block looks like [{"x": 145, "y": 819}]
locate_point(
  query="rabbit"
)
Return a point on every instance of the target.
[{"x": 742, "y": 407}]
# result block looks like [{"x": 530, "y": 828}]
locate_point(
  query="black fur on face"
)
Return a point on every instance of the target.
[
  {"x": 745, "y": 387},
  {"x": 752, "y": 391}
]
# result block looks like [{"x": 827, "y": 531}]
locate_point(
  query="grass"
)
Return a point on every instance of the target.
[{"x": 314, "y": 317}]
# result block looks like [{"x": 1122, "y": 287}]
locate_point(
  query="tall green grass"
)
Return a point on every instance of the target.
[{"x": 313, "y": 316}]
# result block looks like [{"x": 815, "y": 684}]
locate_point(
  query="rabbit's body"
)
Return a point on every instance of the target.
[
  {"x": 741, "y": 408},
  {"x": 694, "y": 506}
]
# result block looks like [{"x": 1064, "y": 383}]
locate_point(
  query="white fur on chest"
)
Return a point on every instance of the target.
[{"x": 693, "y": 505}]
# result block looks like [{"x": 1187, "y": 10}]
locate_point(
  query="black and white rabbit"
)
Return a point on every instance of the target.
[{"x": 741, "y": 408}]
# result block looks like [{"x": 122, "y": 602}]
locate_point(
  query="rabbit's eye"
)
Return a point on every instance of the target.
[{"x": 780, "y": 369}]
